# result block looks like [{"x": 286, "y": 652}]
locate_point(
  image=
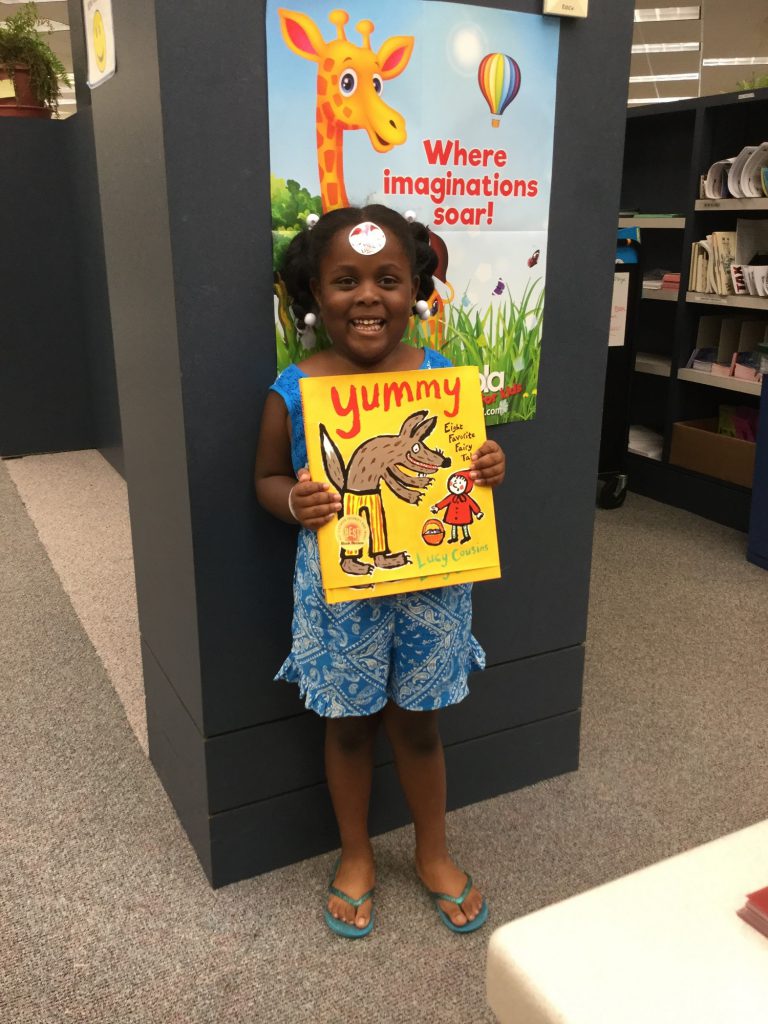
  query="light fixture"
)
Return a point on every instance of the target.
[
  {"x": 720, "y": 62},
  {"x": 665, "y": 47},
  {"x": 668, "y": 14},
  {"x": 659, "y": 99},
  {"x": 688, "y": 76}
]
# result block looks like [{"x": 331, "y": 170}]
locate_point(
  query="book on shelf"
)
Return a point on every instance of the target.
[
  {"x": 755, "y": 910},
  {"x": 671, "y": 282}
]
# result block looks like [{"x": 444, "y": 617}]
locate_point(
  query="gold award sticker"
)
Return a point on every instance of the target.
[
  {"x": 367, "y": 238},
  {"x": 352, "y": 531},
  {"x": 99, "y": 40}
]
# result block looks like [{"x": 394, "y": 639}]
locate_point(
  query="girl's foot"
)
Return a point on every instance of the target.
[
  {"x": 442, "y": 875},
  {"x": 355, "y": 876}
]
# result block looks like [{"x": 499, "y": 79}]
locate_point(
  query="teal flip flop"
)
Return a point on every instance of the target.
[
  {"x": 348, "y": 931},
  {"x": 470, "y": 926}
]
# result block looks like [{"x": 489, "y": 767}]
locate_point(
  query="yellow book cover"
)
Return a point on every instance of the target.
[{"x": 397, "y": 447}]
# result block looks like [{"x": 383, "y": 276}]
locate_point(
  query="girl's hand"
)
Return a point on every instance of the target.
[
  {"x": 488, "y": 465},
  {"x": 313, "y": 504}
]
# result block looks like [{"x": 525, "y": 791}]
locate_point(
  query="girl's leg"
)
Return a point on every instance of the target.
[
  {"x": 348, "y": 769},
  {"x": 420, "y": 763}
]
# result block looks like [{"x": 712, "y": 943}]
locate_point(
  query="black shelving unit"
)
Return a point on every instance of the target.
[{"x": 668, "y": 147}]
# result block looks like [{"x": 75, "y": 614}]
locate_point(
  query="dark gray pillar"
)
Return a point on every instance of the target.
[{"x": 181, "y": 136}]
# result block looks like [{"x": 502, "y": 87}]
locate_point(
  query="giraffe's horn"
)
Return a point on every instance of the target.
[
  {"x": 339, "y": 18},
  {"x": 365, "y": 28}
]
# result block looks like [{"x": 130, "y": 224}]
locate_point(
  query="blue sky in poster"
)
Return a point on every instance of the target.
[{"x": 439, "y": 97}]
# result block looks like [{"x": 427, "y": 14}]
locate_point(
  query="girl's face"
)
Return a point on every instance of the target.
[
  {"x": 365, "y": 301},
  {"x": 457, "y": 484}
]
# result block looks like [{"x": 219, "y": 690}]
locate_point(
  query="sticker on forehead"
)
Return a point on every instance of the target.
[{"x": 367, "y": 238}]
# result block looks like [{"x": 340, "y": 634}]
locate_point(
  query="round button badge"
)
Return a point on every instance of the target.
[{"x": 367, "y": 238}]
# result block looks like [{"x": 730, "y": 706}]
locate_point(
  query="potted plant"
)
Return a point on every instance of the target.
[{"x": 29, "y": 62}]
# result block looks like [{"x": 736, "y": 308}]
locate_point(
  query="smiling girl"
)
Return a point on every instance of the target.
[{"x": 389, "y": 660}]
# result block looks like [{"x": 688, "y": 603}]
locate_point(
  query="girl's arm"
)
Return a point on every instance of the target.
[
  {"x": 488, "y": 464},
  {"x": 313, "y": 503}
]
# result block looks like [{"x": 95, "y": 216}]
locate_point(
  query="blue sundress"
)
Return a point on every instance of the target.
[{"x": 349, "y": 659}]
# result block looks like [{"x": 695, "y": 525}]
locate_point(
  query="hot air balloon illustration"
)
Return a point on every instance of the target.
[{"x": 498, "y": 76}]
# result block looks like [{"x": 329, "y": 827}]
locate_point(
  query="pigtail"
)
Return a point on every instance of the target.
[
  {"x": 425, "y": 261},
  {"x": 296, "y": 272}
]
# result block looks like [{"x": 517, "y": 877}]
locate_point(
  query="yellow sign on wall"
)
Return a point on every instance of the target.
[
  {"x": 398, "y": 448},
  {"x": 99, "y": 40}
]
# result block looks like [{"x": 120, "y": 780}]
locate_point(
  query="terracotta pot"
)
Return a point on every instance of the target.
[{"x": 24, "y": 103}]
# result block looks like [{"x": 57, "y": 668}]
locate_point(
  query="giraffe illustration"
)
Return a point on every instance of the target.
[{"x": 350, "y": 80}]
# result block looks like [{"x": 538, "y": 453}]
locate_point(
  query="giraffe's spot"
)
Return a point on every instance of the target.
[
  {"x": 330, "y": 159},
  {"x": 321, "y": 171},
  {"x": 347, "y": 112},
  {"x": 328, "y": 63},
  {"x": 334, "y": 79},
  {"x": 338, "y": 100},
  {"x": 328, "y": 111},
  {"x": 333, "y": 193},
  {"x": 322, "y": 86},
  {"x": 319, "y": 140}
]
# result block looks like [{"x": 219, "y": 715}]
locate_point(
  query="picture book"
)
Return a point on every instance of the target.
[{"x": 398, "y": 447}]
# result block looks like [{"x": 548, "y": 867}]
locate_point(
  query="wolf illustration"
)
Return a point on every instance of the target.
[{"x": 404, "y": 463}]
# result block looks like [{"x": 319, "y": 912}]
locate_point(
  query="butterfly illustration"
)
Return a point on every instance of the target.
[
  {"x": 534, "y": 259},
  {"x": 499, "y": 288}
]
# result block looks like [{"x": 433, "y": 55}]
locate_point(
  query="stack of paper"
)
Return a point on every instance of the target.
[
  {"x": 711, "y": 262},
  {"x": 644, "y": 441},
  {"x": 738, "y": 177}
]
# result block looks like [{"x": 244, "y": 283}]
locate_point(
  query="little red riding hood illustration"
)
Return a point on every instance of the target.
[{"x": 459, "y": 507}]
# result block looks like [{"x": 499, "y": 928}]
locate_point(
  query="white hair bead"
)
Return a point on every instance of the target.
[
  {"x": 410, "y": 216},
  {"x": 310, "y": 319},
  {"x": 312, "y": 219},
  {"x": 422, "y": 308}
]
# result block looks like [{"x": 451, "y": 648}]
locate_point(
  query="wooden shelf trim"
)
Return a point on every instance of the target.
[
  {"x": 661, "y": 294},
  {"x": 731, "y": 204},
  {"x": 735, "y": 301},
  {"x": 747, "y": 387},
  {"x": 648, "y": 362},
  {"x": 652, "y": 222}
]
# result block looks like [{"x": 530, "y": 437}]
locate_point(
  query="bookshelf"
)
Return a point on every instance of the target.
[{"x": 668, "y": 146}]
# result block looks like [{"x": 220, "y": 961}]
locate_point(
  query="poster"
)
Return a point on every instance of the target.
[
  {"x": 397, "y": 447},
  {"x": 99, "y": 40},
  {"x": 444, "y": 109}
]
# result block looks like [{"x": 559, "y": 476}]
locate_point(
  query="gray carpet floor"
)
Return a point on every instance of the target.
[{"x": 105, "y": 915}]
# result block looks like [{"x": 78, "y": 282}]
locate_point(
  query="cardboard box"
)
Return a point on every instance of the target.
[{"x": 696, "y": 445}]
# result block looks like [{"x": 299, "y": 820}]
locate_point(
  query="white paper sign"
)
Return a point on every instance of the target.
[
  {"x": 99, "y": 40},
  {"x": 617, "y": 334},
  {"x": 567, "y": 8}
]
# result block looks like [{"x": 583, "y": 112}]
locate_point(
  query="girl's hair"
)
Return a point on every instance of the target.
[{"x": 301, "y": 262}]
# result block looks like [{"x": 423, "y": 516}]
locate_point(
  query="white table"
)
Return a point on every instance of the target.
[{"x": 660, "y": 946}]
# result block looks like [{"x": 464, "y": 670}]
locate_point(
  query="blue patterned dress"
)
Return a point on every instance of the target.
[{"x": 416, "y": 649}]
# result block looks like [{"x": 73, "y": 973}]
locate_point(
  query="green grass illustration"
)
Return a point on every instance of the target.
[{"x": 506, "y": 338}]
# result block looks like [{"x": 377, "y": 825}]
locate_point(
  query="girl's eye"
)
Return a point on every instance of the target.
[
  {"x": 389, "y": 282},
  {"x": 378, "y": 85},
  {"x": 416, "y": 448},
  {"x": 348, "y": 82}
]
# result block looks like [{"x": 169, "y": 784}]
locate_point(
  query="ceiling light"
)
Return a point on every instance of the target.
[
  {"x": 668, "y": 14},
  {"x": 659, "y": 99},
  {"x": 665, "y": 47},
  {"x": 719, "y": 62},
  {"x": 691, "y": 76}
]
